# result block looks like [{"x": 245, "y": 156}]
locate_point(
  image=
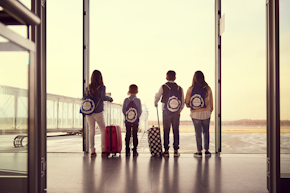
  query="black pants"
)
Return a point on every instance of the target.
[{"x": 128, "y": 136}]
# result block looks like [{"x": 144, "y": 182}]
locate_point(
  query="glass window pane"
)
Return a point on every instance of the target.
[
  {"x": 244, "y": 77},
  {"x": 64, "y": 74},
  {"x": 284, "y": 85},
  {"x": 137, "y": 42},
  {"x": 13, "y": 114}
]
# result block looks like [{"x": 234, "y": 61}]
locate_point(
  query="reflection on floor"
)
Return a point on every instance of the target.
[
  {"x": 231, "y": 143},
  {"x": 78, "y": 172}
]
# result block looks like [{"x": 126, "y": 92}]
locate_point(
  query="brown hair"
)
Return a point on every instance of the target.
[
  {"x": 133, "y": 89},
  {"x": 199, "y": 82},
  {"x": 96, "y": 83},
  {"x": 171, "y": 75}
]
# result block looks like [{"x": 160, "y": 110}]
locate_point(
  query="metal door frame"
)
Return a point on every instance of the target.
[
  {"x": 218, "y": 48},
  {"x": 273, "y": 96},
  {"x": 86, "y": 66},
  {"x": 37, "y": 103}
]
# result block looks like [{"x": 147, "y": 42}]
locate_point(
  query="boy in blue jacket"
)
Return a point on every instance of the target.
[{"x": 132, "y": 110}]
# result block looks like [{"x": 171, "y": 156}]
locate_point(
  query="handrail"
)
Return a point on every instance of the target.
[
  {"x": 16, "y": 39},
  {"x": 62, "y": 112},
  {"x": 19, "y": 12}
]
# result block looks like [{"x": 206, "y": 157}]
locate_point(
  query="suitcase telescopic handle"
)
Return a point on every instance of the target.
[
  {"x": 111, "y": 122},
  {"x": 157, "y": 116},
  {"x": 109, "y": 113},
  {"x": 110, "y": 104}
]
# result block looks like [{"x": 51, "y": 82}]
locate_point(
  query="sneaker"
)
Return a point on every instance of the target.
[
  {"x": 135, "y": 153},
  {"x": 197, "y": 154},
  {"x": 166, "y": 153},
  {"x": 176, "y": 153},
  {"x": 207, "y": 153},
  {"x": 93, "y": 154}
]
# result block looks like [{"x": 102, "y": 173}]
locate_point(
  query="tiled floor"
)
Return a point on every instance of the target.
[{"x": 229, "y": 173}]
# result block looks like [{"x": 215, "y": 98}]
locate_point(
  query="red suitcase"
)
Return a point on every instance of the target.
[
  {"x": 113, "y": 139},
  {"x": 113, "y": 136}
]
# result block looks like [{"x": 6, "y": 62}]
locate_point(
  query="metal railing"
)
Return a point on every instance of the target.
[{"x": 62, "y": 112}]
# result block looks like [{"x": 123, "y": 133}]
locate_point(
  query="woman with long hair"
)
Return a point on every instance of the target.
[
  {"x": 97, "y": 90},
  {"x": 199, "y": 99}
]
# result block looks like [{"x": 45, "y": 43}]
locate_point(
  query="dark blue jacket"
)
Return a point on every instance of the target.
[{"x": 102, "y": 97}]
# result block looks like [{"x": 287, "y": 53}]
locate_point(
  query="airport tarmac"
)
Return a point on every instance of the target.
[{"x": 231, "y": 143}]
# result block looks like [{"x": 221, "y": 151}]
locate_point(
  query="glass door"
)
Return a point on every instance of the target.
[
  {"x": 285, "y": 92},
  {"x": 13, "y": 119},
  {"x": 13, "y": 109},
  {"x": 243, "y": 78},
  {"x": 65, "y": 61},
  {"x": 22, "y": 146}
]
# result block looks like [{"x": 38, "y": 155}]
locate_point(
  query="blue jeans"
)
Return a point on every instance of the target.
[
  {"x": 168, "y": 120},
  {"x": 201, "y": 126}
]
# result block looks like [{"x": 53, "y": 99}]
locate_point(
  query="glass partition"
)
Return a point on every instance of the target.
[
  {"x": 14, "y": 115},
  {"x": 284, "y": 86},
  {"x": 64, "y": 74},
  {"x": 138, "y": 42},
  {"x": 64, "y": 49},
  {"x": 244, "y": 77}
]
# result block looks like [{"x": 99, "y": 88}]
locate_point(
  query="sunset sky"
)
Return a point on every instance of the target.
[{"x": 137, "y": 42}]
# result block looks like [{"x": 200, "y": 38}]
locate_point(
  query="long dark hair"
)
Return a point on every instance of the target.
[
  {"x": 96, "y": 83},
  {"x": 199, "y": 82}
]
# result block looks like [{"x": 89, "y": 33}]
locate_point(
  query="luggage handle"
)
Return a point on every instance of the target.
[
  {"x": 108, "y": 114},
  {"x": 110, "y": 104},
  {"x": 157, "y": 116}
]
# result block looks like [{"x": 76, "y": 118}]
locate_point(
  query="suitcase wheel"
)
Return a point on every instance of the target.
[{"x": 114, "y": 154}]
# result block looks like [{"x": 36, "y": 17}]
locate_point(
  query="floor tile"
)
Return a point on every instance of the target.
[{"x": 78, "y": 172}]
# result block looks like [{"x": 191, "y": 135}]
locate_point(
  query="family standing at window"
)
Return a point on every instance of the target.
[{"x": 198, "y": 98}]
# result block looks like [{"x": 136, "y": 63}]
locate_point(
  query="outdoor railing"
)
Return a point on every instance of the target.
[{"x": 62, "y": 112}]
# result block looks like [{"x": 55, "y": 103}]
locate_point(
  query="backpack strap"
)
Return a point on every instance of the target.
[
  {"x": 167, "y": 86},
  {"x": 130, "y": 99},
  {"x": 98, "y": 103}
]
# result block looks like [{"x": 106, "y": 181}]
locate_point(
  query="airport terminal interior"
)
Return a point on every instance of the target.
[{"x": 48, "y": 50}]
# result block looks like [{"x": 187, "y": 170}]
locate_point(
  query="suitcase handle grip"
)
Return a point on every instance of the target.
[
  {"x": 157, "y": 116},
  {"x": 109, "y": 113}
]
